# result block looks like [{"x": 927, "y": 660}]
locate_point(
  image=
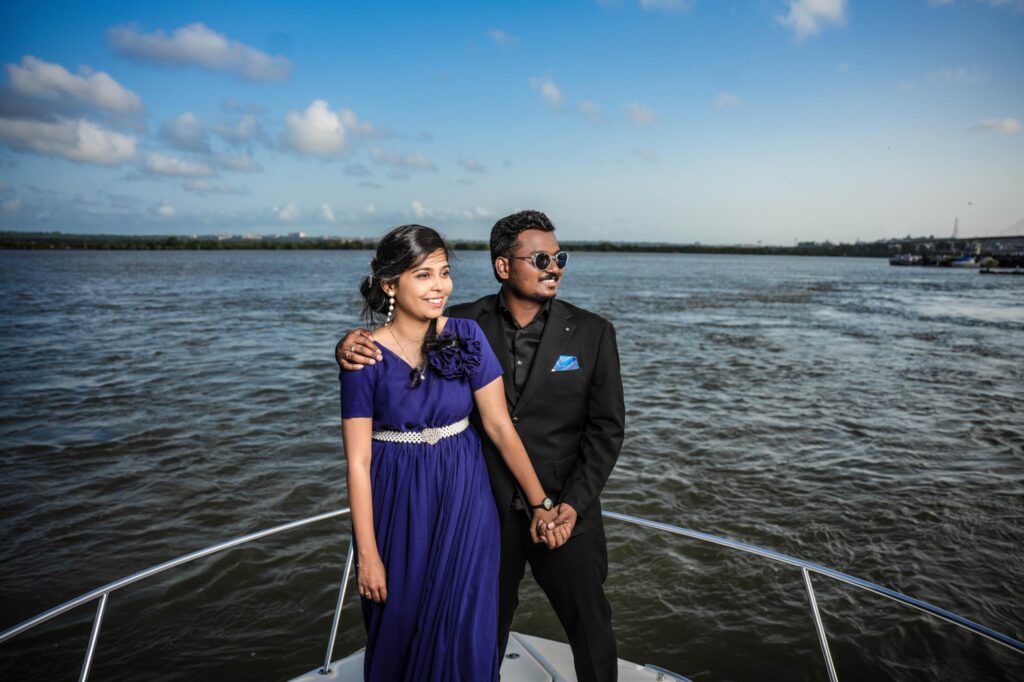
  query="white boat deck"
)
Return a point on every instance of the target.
[{"x": 527, "y": 659}]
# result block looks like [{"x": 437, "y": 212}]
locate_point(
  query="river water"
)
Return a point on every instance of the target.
[{"x": 865, "y": 417}]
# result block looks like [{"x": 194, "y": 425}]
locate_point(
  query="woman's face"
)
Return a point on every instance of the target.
[{"x": 422, "y": 291}]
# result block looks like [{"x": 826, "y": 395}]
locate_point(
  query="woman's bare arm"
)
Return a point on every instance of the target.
[
  {"x": 490, "y": 400},
  {"x": 356, "y": 434}
]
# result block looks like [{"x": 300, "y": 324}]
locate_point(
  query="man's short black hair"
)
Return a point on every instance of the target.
[{"x": 505, "y": 233}]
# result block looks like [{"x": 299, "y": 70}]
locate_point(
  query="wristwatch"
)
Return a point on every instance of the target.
[{"x": 546, "y": 504}]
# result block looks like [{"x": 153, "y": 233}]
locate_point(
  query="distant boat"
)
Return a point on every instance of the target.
[
  {"x": 964, "y": 261},
  {"x": 905, "y": 259}
]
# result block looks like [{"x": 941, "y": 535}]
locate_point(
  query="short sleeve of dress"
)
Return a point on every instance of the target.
[
  {"x": 489, "y": 368},
  {"x": 357, "y": 389}
]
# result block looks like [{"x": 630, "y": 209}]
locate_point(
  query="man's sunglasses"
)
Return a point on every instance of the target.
[{"x": 542, "y": 260}]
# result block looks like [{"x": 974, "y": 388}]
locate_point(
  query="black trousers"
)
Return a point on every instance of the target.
[{"x": 572, "y": 577}]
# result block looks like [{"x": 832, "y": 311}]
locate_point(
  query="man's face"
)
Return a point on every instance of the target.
[{"x": 521, "y": 276}]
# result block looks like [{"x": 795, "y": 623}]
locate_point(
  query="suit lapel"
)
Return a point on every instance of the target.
[
  {"x": 557, "y": 332},
  {"x": 490, "y": 322}
]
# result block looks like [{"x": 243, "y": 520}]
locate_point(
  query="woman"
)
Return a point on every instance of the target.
[{"x": 423, "y": 517}]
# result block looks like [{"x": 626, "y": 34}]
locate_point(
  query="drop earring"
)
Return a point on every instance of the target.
[{"x": 391, "y": 310}]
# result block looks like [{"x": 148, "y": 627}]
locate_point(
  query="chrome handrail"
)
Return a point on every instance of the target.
[
  {"x": 103, "y": 593},
  {"x": 807, "y": 567},
  {"x": 924, "y": 606}
]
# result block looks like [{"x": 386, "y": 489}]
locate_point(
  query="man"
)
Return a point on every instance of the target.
[{"x": 564, "y": 392}]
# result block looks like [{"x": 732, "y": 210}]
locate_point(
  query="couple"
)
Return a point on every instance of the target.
[{"x": 444, "y": 519}]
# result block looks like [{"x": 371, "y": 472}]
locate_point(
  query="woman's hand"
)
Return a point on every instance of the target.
[
  {"x": 357, "y": 349},
  {"x": 539, "y": 531},
  {"x": 373, "y": 581}
]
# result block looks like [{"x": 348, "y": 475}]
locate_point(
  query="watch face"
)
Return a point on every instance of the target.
[{"x": 548, "y": 504}]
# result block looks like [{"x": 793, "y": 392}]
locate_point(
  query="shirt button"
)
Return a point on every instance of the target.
[
  {"x": 515, "y": 420},
  {"x": 519, "y": 362}
]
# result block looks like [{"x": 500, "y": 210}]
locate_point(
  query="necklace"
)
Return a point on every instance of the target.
[{"x": 416, "y": 376}]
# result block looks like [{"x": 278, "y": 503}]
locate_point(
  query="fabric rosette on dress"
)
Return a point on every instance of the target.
[{"x": 455, "y": 357}]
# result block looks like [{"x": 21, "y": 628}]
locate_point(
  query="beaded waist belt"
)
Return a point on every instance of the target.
[{"x": 429, "y": 436}]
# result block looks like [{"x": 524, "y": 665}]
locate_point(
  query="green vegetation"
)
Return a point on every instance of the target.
[{"x": 106, "y": 242}]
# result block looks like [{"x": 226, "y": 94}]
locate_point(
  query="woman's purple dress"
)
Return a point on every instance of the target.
[{"x": 434, "y": 517}]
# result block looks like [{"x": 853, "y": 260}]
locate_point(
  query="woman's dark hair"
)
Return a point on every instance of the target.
[
  {"x": 398, "y": 251},
  {"x": 505, "y": 233}
]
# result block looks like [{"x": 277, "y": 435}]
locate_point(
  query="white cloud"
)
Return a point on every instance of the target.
[
  {"x": 502, "y": 38},
  {"x": 78, "y": 140},
  {"x": 476, "y": 213},
  {"x": 288, "y": 213},
  {"x": 1008, "y": 125},
  {"x": 353, "y": 126},
  {"x": 472, "y": 165},
  {"x": 203, "y": 187},
  {"x": 244, "y": 131},
  {"x": 240, "y": 164},
  {"x": 327, "y": 213},
  {"x": 371, "y": 209},
  {"x": 11, "y": 205},
  {"x": 591, "y": 111},
  {"x": 402, "y": 162},
  {"x": 551, "y": 93},
  {"x": 161, "y": 164},
  {"x": 809, "y": 17},
  {"x": 198, "y": 45},
  {"x": 665, "y": 5},
  {"x": 641, "y": 115},
  {"x": 963, "y": 75},
  {"x": 419, "y": 210},
  {"x": 727, "y": 100},
  {"x": 166, "y": 211},
  {"x": 187, "y": 132},
  {"x": 317, "y": 130},
  {"x": 36, "y": 78}
]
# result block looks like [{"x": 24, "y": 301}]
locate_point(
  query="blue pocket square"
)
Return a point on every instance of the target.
[{"x": 565, "y": 363}]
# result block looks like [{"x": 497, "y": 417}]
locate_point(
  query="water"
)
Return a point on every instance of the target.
[{"x": 865, "y": 417}]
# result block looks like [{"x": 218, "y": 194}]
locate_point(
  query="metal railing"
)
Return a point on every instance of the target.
[
  {"x": 103, "y": 593},
  {"x": 806, "y": 568}
]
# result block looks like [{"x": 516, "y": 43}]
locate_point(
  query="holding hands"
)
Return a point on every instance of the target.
[{"x": 553, "y": 528}]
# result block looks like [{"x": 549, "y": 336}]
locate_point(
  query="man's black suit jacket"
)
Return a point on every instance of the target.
[{"x": 571, "y": 422}]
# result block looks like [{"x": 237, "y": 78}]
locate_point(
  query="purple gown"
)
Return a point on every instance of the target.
[{"x": 434, "y": 518}]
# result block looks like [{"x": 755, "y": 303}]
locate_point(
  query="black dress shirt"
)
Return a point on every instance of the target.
[{"x": 521, "y": 342}]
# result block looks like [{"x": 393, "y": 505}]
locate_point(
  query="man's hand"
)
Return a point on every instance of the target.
[
  {"x": 560, "y": 529},
  {"x": 357, "y": 349}
]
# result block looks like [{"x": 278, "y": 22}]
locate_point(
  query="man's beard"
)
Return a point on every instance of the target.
[{"x": 535, "y": 296}]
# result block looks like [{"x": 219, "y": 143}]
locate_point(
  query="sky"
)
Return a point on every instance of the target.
[{"x": 767, "y": 121}]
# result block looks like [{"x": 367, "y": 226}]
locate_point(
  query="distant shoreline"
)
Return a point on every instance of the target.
[{"x": 58, "y": 241}]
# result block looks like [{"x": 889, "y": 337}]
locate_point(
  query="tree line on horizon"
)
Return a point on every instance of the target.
[{"x": 101, "y": 242}]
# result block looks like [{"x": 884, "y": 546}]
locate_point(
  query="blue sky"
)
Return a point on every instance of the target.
[{"x": 638, "y": 120}]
